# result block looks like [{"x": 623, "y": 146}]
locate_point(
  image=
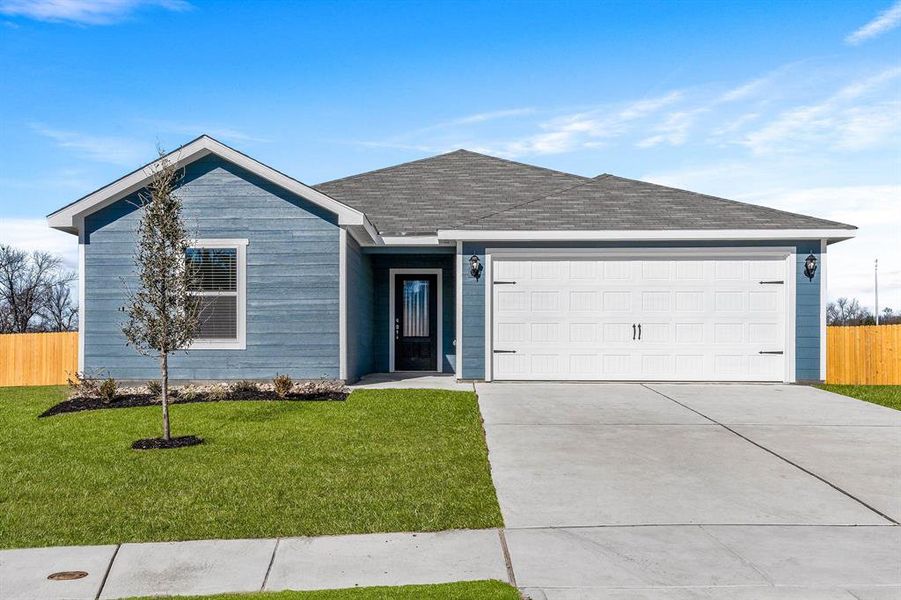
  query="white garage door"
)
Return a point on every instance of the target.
[{"x": 660, "y": 319}]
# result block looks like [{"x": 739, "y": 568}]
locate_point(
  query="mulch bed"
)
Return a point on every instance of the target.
[
  {"x": 182, "y": 441},
  {"x": 132, "y": 401}
]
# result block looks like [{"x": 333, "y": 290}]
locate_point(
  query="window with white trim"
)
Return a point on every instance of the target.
[{"x": 217, "y": 268}]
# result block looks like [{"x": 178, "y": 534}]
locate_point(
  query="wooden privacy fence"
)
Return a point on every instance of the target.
[
  {"x": 854, "y": 355},
  {"x": 38, "y": 358},
  {"x": 866, "y": 355}
]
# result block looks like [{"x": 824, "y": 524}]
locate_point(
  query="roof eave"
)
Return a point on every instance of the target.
[{"x": 831, "y": 235}]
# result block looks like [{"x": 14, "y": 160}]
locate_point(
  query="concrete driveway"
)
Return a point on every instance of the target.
[{"x": 696, "y": 491}]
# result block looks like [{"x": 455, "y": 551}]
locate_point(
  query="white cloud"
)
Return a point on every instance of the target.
[
  {"x": 850, "y": 118},
  {"x": 886, "y": 21},
  {"x": 84, "y": 12},
  {"x": 490, "y": 116},
  {"x": 744, "y": 91},
  {"x": 734, "y": 125},
  {"x": 33, "y": 234},
  {"x": 106, "y": 149},
  {"x": 674, "y": 128},
  {"x": 589, "y": 128}
]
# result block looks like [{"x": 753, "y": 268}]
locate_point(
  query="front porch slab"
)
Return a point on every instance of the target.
[{"x": 423, "y": 381}]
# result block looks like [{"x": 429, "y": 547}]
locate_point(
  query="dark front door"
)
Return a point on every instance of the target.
[{"x": 415, "y": 323}]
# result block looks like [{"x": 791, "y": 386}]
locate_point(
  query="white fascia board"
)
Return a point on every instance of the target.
[
  {"x": 66, "y": 218},
  {"x": 643, "y": 235}
]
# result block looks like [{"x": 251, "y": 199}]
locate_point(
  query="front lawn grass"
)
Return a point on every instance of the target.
[
  {"x": 886, "y": 395},
  {"x": 470, "y": 590},
  {"x": 383, "y": 460}
]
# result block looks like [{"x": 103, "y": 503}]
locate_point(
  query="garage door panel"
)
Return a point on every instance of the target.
[
  {"x": 616, "y": 270},
  {"x": 730, "y": 301},
  {"x": 690, "y": 301},
  {"x": 656, "y": 270},
  {"x": 656, "y": 301},
  {"x": 701, "y": 319},
  {"x": 509, "y": 300},
  {"x": 614, "y": 333},
  {"x": 689, "y": 333},
  {"x": 616, "y": 301},
  {"x": 580, "y": 270},
  {"x": 689, "y": 270},
  {"x": 583, "y": 332},
  {"x": 657, "y": 333},
  {"x": 763, "y": 301},
  {"x": 689, "y": 366},
  {"x": 583, "y": 301}
]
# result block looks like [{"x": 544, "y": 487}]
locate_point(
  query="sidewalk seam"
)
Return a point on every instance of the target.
[
  {"x": 109, "y": 568},
  {"x": 777, "y": 455},
  {"x": 507, "y": 561},
  {"x": 271, "y": 562}
]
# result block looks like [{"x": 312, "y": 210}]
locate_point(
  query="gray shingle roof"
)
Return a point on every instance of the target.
[
  {"x": 467, "y": 190},
  {"x": 608, "y": 202},
  {"x": 435, "y": 193}
]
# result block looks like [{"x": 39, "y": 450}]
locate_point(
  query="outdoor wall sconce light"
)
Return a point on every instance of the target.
[
  {"x": 810, "y": 267},
  {"x": 475, "y": 267}
]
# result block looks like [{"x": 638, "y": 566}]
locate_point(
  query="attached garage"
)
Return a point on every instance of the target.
[{"x": 674, "y": 315}]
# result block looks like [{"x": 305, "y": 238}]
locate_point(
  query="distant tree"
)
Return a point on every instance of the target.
[
  {"x": 162, "y": 315},
  {"x": 889, "y": 317},
  {"x": 848, "y": 312},
  {"x": 59, "y": 313},
  {"x": 33, "y": 286}
]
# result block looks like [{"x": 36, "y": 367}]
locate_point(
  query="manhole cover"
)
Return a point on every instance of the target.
[{"x": 67, "y": 575}]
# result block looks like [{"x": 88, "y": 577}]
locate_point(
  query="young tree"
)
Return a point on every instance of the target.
[{"x": 162, "y": 315}]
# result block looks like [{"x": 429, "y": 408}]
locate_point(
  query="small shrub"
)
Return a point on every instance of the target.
[
  {"x": 282, "y": 385},
  {"x": 217, "y": 392},
  {"x": 154, "y": 388},
  {"x": 243, "y": 389},
  {"x": 188, "y": 393},
  {"x": 107, "y": 390},
  {"x": 81, "y": 385}
]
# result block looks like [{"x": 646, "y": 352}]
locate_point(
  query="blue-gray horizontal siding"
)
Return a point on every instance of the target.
[
  {"x": 359, "y": 312},
  {"x": 292, "y": 279},
  {"x": 381, "y": 265},
  {"x": 807, "y": 299},
  {"x": 807, "y": 314}
]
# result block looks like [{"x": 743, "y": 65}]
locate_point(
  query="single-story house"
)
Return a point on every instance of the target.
[{"x": 468, "y": 264}]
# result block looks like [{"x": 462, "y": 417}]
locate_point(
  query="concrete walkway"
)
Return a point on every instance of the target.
[
  {"x": 219, "y": 566},
  {"x": 676, "y": 491}
]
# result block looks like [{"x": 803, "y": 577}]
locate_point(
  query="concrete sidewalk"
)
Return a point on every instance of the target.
[{"x": 220, "y": 566}]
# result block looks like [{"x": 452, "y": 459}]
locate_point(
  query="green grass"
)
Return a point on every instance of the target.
[
  {"x": 471, "y": 590},
  {"x": 886, "y": 395},
  {"x": 384, "y": 460}
]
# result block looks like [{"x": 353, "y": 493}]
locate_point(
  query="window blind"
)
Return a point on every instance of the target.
[{"x": 214, "y": 279}]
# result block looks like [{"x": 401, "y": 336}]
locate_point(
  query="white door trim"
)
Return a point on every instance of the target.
[
  {"x": 439, "y": 362},
  {"x": 788, "y": 253},
  {"x": 458, "y": 314}
]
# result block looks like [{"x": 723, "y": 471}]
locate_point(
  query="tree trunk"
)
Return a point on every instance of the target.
[{"x": 164, "y": 400}]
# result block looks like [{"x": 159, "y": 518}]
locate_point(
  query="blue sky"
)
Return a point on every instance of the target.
[{"x": 795, "y": 105}]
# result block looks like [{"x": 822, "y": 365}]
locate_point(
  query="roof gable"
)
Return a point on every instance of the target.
[{"x": 69, "y": 217}]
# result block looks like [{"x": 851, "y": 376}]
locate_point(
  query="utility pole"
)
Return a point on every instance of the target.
[{"x": 876, "y": 286}]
